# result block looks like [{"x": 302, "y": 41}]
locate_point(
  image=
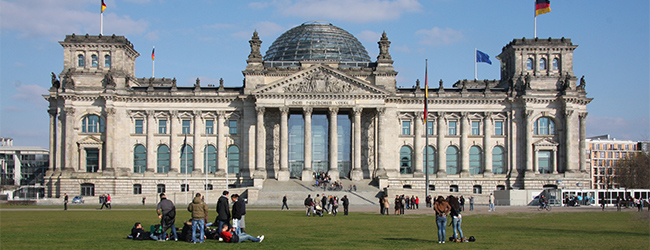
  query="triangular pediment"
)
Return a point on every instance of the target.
[
  {"x": 546, "y": 142},
  {"x": 90, "y": 140},
  {"x": 320, "y": 79}
]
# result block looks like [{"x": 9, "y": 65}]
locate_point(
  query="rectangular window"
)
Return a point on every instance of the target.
[
  {"x": 232, "y": 127},
  {"x": 162, "y": 127},
  {"x": 598, "y": 146},
  {"x": 209, "y": 127},
  {"x": 186, "y": 126},
  {"x": 617, "y": 155},
  {"x": 602, "y": 154},
  {"x": 185, "y": 187},
  {"x": 406, "y": 127},
  {"x": 139, "y": 129},
  {"x": 545, "y": 162},
  {"x": 137, "y": 189},
  {"x": 452, "y": 127},
  {"x": 476, "y": 128},
  {"x": 429, "y": 127},
  {"x": 610, "y": 155},
  {"x": 160, "y": 188},
  {"x": 498, "y": 128}
]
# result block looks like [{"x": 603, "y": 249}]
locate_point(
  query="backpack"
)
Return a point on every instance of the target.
[
  {"x": 471, "y": 239},
  {"x": 156, "y": 229}
]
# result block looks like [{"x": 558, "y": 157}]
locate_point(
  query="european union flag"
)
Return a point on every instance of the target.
[{"x": 482, "y": 57}]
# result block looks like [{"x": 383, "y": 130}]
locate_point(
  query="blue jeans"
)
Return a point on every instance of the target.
[
  {"x": 442, "y": 223},
  {"x": 201, "y": 226},
  {"x": 235, "y": 224},
  {"x": 244, "y": 237},
  {"x": 164, "y": 234},
  {"x": 455, "y": 223},
  {"x": 221, "y": 222},
  {"x": 491, "y": 206}
]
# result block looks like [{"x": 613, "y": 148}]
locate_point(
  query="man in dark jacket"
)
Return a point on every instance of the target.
[
  {"x": 309, "y": 204},
  {"x": 346, "y": 203},
  {"x": 237, "y": 210},
  {"x": 223, "y": 211},
  {"x": 138, "y": 233},
  {"x": 167, "y": 214},
  {"x": 199, "y": 211}
]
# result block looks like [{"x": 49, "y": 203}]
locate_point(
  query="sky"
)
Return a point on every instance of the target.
[{"x": 208, "y": 39}]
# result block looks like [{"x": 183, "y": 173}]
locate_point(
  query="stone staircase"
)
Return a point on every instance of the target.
[{"x": 296, "y": 190}]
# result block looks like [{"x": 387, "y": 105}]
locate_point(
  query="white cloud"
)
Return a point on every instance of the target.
[
  {"x": 344, "y": 10},
  {"x": 619, "y": 128},
  {"x": 437, "y": 36},
  {"x": 30, "y": 94},
  {"x": 54, "y": 19}
]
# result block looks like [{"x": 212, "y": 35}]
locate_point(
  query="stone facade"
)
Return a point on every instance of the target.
[{"x": 114, "y": 133}]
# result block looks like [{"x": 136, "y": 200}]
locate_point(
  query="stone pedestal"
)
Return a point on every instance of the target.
[
  {"x": 283, "y": 175},
  {"x": 357, "y": 175},
  {"x": 418, "y": 174},
  {"x": 464, "y": 173},
  {"x": 334, "y": 175},
  {"x": 307, "y": 175},
  {"x": 488, "y": 174},
  {"x": 258, "y": 182}
]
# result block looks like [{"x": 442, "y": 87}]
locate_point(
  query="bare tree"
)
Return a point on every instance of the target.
[{"x": 633, "y": 171}]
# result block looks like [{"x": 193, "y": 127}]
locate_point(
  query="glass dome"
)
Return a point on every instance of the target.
[{"x": 314, "y": 41}]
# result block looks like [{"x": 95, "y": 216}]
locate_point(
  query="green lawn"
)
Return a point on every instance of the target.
[{"x": 292, "y": 230}]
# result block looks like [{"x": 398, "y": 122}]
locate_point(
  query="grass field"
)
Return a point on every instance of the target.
[{"x": 95, "y": 229}]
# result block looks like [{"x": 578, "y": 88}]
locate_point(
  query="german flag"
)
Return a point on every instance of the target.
[
  {"x": 153, "y": 54},
  {"x": 103, "y": 6},
  {"x": 542, "y": 7}
]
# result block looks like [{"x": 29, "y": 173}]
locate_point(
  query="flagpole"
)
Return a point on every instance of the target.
[
  {"x": 475, "y": 71},
  {"x": 535, "y": 34},
  {"x": 426, "y": 130},
  {"x": 185, "y": 152},
  {"x": 205, "y": 167},
  {"x": 153, "y": 62},
  {"x": 101, "y": 23}
]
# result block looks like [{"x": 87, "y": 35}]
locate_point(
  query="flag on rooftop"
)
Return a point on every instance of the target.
[
  {"x": 103, "y": 6},
  {"x": 153, "y": 53},
  {"x": 542, "y": 7},
  {"x": 482, "y": 57}
]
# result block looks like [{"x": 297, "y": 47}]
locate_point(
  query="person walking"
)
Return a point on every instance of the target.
[
  {"x": 462, "y": 203},
  {"x": 102, "y": 200},
  {"x": 65, "y": 201},
  {"x": 284, "y": 203},
  {"x": 223, "y": 211},
  {"x": 309, "y": 204},
  {"x": 167, "y": 215},
  {"x": 108, "y": 201},
  {"x": 491, "y": 201},
  {"x": 199, "y": 211},
  {"x": 386, "y": 205},
  {"x": 143, "y": 199},
  {"x": 442, "y": 208},
  {"x": 346, "y": 203}
]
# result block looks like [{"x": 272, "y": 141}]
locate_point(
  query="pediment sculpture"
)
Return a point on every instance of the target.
[{"x": 319, "y": 82}]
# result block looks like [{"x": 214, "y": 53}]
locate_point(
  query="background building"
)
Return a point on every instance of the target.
[{"x": 315, "y": 102}]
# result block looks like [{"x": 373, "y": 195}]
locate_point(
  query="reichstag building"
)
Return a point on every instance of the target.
[{"x": 315, "y": 102}]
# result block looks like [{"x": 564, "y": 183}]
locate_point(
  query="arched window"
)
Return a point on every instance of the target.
[
  {"x": 475, "y": 160},
  {"x": 81, "y": 60},
  {"x": 163, "y": 159},
  {"x": 92, "y": 124},
  {"x": 529, "y": 64},
  {"x": 544, "y": 126},
  {"x": 429, "y": 160},
  {"x": 233, "y": 159},
  {"x": 498, "y": 166},
  {"x": 211, "y": 158},
  {"x": 107, "y": 61},
  {"x": 87, "y": 189},
  {"x": 542, "y": 64},
  {"x": 139, "y": 159},
  {"x": 187, "y": 159},
  {"x": 556, "y": 64},
  {"x": 405, "y": 155},
  {"x": 94, "y": 61},
  {"x": 452, "y": 160}
]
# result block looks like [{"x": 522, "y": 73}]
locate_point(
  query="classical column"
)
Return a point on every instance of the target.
[
  {"x": 357, "y": 174},
  {"x": 307, "y": 174},
  {"x": 536, "y": 161},
  {"x": 568, "y": 142},
  {"x": 283, "y": 174},
  {"x": 71, "y": 162},
  {"x": 151, "y": 145},
  {"x": 442, "y": 150},
  {"x": 60, "y": 144},
  {"x": 198, "y": 145},
  {"x": 222, "y": 161},
  {"x": 528, "y": 115},
  {"x": 583, "y": 143},
  {"x": 334, "y": 143},
  {"x": 464, "y": 147},
  {"x": 260, "y": 154},
  {"x": 174, "y": 146},
  {"x": 53, "y": 167},
  {"x": 110, "y": 139},
  {"x": 487, "y": 144},
  {"x": 381, "y": 146},
  {"x": 417, "y": 145}
]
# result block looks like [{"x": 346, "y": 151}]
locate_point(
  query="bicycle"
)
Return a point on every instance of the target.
[{"x": 544, "y": 206}]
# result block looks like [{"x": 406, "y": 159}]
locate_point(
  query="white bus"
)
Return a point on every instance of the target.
[{"x": 594, "y": 196}]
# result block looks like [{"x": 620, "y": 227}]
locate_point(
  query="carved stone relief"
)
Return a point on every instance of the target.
[{"x": 320, "y": 82}]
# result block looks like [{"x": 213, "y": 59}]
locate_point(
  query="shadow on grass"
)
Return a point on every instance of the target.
[
  {"x": 577, "y": 231},
  {"x": 410, "y": 239}
]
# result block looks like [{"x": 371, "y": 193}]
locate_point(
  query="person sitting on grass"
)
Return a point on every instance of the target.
[
  {"x": 138, "y": 233},
  {"x": 229, "y": 236}
]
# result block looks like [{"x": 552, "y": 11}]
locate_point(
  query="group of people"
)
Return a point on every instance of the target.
[
  {"x": 402, "y": 203},
  {"x": 449, "y": 207},
  {"x": 630, "y": 202},
  {"x": 198, "y": 229},
  {"x": 324, "y": 204},
  {"x": 105, "y": 200}
]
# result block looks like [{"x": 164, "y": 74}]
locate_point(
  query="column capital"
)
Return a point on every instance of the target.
[
  {"x": 487, "y": 115},
  {"x": 52, "y": 111},
  {"x": 419, "y": 115},
  {"x": 198, "y": 113},
  {"x": 333, "y": 110},
  {"x": 529, "y": 113},
  {"x": 284, "y": 110},
  {"x": 357, "y": 110},
  {"x": 381, "y": 111},
  {"x": 150, "y": 113},
  {"x": 583, "y": 115},
  {"x": 307, "y": 110},
  {"x": 259, "y": 110},
  {"x": 568, "y": 113},
  {"x": 69, "y": 110},
  {"x": 221, "y": 114},
  {"x": 173, "y": 113}
]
